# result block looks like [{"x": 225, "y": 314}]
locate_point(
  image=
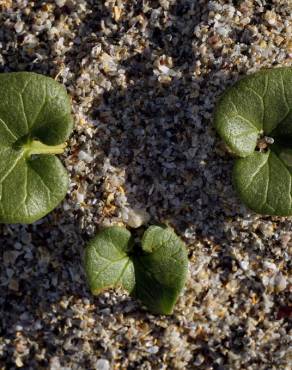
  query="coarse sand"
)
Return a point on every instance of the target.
[{"x": 144, "y": 76}]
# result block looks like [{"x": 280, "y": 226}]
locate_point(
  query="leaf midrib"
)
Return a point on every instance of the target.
[
  {"x": 8, "y": 129},
  {"x": 11, "y": 168}
]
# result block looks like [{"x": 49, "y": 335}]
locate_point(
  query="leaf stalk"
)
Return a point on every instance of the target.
[{"x": 37, "y": 147}]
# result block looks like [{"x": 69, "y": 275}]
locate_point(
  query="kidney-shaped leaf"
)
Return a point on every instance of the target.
[
  {"x": 107, "y": 260},
  {"x": 161, "y": 270},
  {"x": 155, "y": 273},
  {"x": 35, "y": 120},
  {"x": 264, "y": 183},
  {"x": 260, "y": 105}
]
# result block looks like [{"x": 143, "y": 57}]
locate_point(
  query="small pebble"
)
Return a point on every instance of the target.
[
  {"x": 102, "y": 364},
  {"x": 18, "y": 26},
  {"x": 60, "y": 3},
  {"x": 135, "y": 217},
  {"x": 153, "y": 349},
  {"x": 280, "y": 282},
  {"x": 83, "y": 156}
]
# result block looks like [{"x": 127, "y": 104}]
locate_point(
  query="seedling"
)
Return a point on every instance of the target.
[
  {"x": 154, "y": 272},
  {"x": 35, "y": 121},
  {"x": 254, "y": 118}
]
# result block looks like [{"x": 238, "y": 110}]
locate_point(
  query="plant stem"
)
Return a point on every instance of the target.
[{"x": 37, "y": 147}]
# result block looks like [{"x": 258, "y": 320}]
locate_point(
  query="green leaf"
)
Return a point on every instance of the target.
[
  {"x": 35, "y": 120},
  {"x": 155, "y": 273},
  {"x": 257, "y": 106},
  {"x": 161, "y": 270},
  {"x": 264, "y": 183},
  {"x": 107, "y": 260}
]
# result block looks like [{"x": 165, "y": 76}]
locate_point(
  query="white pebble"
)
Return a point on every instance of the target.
[
  {"x": 280, "y": 282},
  {"x": 102, "y": 364},
  {"x": 135, "y": 217},
  {"x": 66, "y": 206},
  {"x": 271, "y": 17},
  {"x": 55, "y": 363},
  {"x": 153, "y": 349},
  {"x": 270, "y": 266},
  {"x": 80, "y": 197},
  {"x": 244, "y": 265},
  {"x": 18, "y": 26},
  {"x": 96, "y": 50},
  {"x": 223, "y": 30},
  {"x": 60, "y": 3},
  {"x": 83, "y": 156},
  {"x": 199, "y": 360},
  {"x": 163, "y": 69}
]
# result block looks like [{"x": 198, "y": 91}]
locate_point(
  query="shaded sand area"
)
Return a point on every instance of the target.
[{"x": 144, "y": 77}]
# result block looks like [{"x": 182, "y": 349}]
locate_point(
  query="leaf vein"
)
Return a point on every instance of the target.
[
  {"x": 98, "y": 273},
  {"x": 7, "y": 129},
  {"x": 267, "y": 188},
  {"x": 245, "y": 133},
  {"x": 122, "y": 272},
  {"x": 107, "y": 259},
  {"x": 248, "y": 121},
  {"x": 255, "y": 173},
  {"x": 25, "y": 194},
  {"x": 266, "y": 86},
  {"x": 261, "y": 99},
  {"x": 23, "y": 111},
  {"x": 49, "y": 191},
  {"x": 284, "y": 95},
  {"x": 11, "y": 168},
  {"x": 255, "y": 92},
  {"x": 39, "y": 112}
]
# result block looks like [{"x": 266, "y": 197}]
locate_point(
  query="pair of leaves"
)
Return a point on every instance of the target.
[
  {"x": 260, "y": 105},
  {"x": 35, "y": 119},
  {"x": 155, "y": 273}
]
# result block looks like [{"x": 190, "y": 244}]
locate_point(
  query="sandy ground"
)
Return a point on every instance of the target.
[{"x": 144, "y": 77}]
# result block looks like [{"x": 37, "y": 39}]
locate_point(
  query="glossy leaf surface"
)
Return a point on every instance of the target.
[
  {"x": 260, "y": 105},
  {"x": 35, "y": 120},
  {"x": 154, "y": 273}
]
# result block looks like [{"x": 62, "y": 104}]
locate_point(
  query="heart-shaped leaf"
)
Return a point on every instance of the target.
[
  {"x": 107, "y": 260},
  {"x": 161, "y": 270},
  {"x": 35, "y": 120},
  {"x": 256, "y": 107},
  {"x": 154, "y": 273}
]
